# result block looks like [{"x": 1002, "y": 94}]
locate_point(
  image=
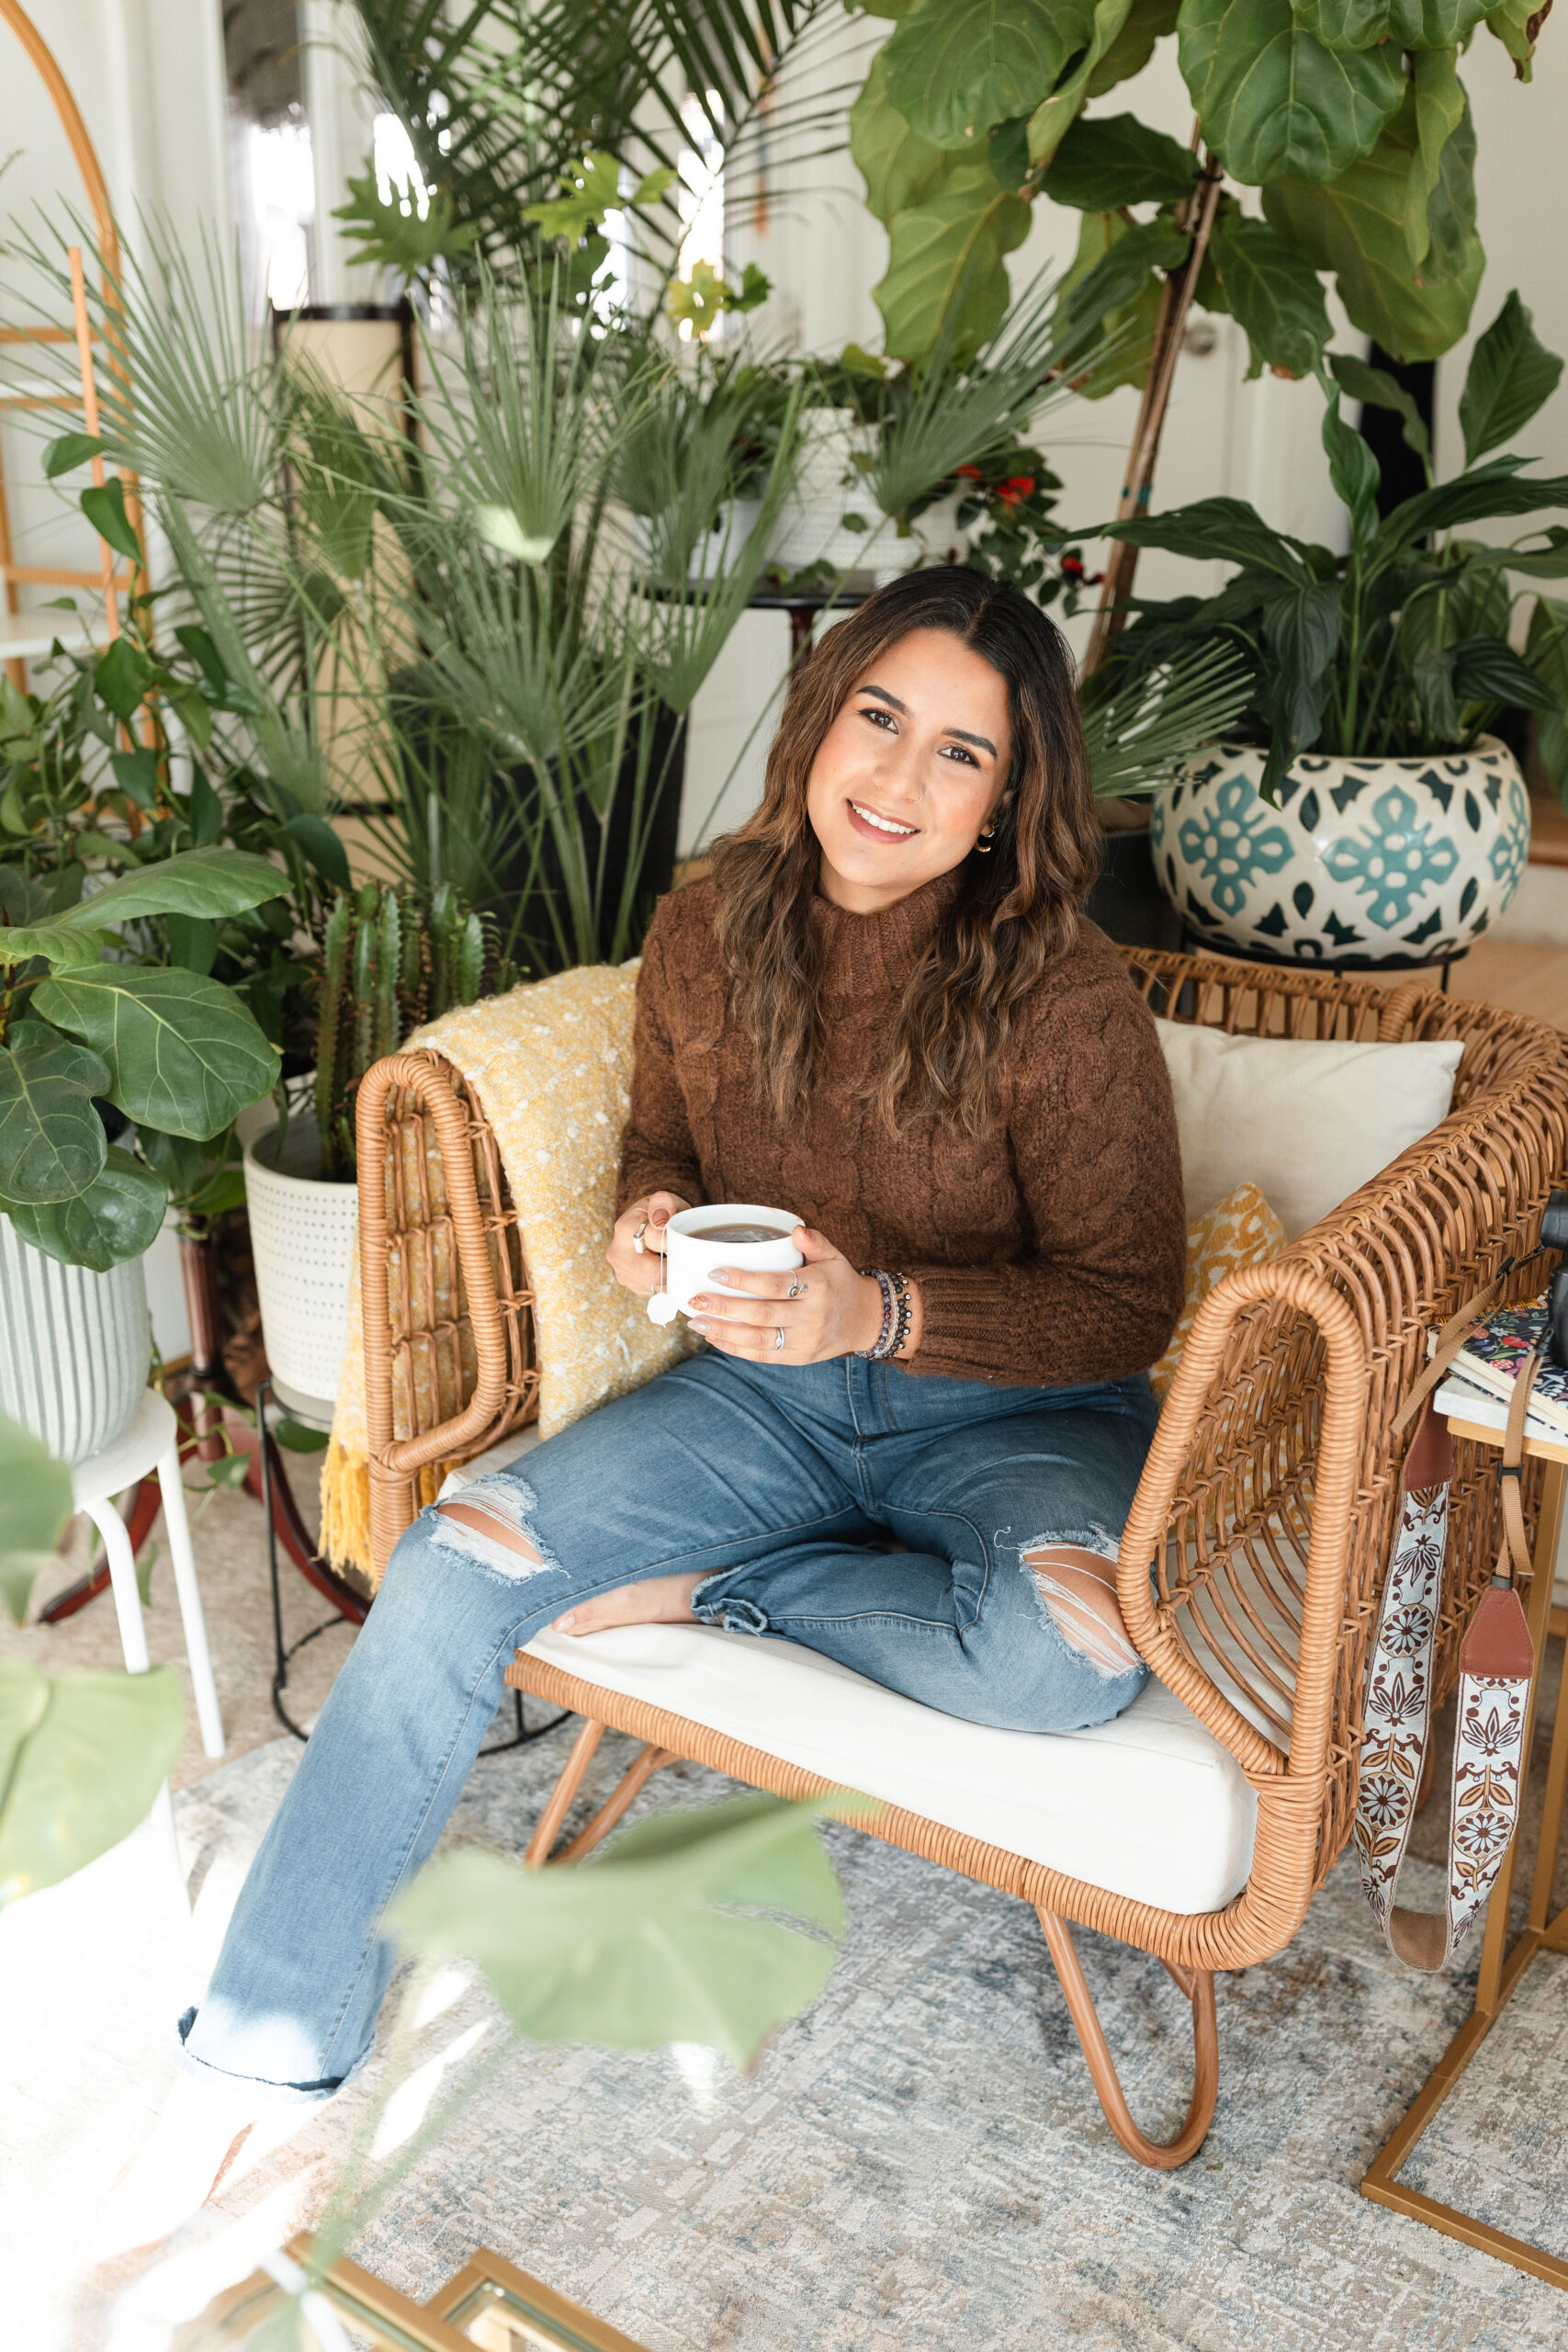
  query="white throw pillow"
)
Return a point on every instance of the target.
[{"x": 1307, "y": 1121}]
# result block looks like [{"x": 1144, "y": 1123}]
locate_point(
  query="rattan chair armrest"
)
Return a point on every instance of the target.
[
  {"x": 1215, "y": 1358},
  {"x": 426, "y": 1080}
]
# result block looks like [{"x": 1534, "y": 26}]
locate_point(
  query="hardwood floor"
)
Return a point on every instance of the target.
[{"x": 1522, "y": 973}]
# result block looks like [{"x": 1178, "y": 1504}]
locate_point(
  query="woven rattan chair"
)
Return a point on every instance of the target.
[{"x": 1266, "y": 1508}]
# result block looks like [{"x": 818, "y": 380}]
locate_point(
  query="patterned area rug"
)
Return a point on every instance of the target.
[{"x": 921, "y": 2163}]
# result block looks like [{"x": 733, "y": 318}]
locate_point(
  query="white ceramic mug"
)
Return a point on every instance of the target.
[{"x": 690, "y": 1255}]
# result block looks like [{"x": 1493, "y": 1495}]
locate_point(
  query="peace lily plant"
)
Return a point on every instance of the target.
[{"x": 1358, "y": 811}]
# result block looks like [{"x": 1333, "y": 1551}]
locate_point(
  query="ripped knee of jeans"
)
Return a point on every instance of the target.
[
  {"x": 1075, "y": 1584},
  {"x": 488, "y": 1522}
]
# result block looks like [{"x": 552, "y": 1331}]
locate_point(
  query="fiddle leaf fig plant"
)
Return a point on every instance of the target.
[
  {"x": 95, "y": 1042},
  {"x": 1347, "y": 116}
]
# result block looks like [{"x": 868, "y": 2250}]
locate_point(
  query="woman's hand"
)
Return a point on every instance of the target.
[
  {"x": 835, "y": 1310},
  {"x": 642, "y": 1270}
]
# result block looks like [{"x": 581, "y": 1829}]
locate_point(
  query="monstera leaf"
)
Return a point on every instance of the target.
[
  {"x": 633, "y": 1950},
  {"x": 184, "y": 1053},
  {"x": 1356, "y": 227},
  {"x": 1276, "y": 103},
  {"x": 81, "y": 1760},
  {"x": 51, "y": 1139},
  {"x": 955, "y": 67},
  {"x": 945, "y": 271}
]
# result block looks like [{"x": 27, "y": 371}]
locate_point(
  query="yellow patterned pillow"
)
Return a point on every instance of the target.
[{"x": 1240, "y": 1230}]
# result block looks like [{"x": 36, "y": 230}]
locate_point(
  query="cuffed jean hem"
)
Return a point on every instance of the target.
[{"x": 267, "y": 2094}]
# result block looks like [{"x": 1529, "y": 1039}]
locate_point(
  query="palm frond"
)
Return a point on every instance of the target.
[{"x": 1137, "y": 731}]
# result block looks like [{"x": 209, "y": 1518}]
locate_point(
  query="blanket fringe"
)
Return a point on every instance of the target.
[{"x": 346, "y": 1508}]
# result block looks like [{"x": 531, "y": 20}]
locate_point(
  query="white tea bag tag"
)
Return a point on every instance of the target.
[{"x": 662, "y": 1308}]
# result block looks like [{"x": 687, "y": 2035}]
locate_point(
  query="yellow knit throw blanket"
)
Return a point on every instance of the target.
[{"x": 551, "y": 1065}]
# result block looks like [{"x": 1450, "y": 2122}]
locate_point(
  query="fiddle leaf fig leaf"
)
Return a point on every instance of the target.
[
  {"x": 632, "y": 1950},
  {"x": 1511, "y": 376},
  {"x": 184, "y": 1053},
  {"x": 51, "y": 1139},
  {"x": 1147, "y": 23},
  {"x": 196, "y": 882},
  {"x": 900, "y": 169},
  {"x": 1106, "y": 161},
  {"x": 1415, "y": 25},
  {"x": 1050, "y": 122},
  {"x": 1274, "y": 294},
  {"x": 1439, "y": 110},
  {"x": 945, "y": 272},
  {"x": 117, "y": 1216},
  {"x": 1276, "y": 103},
  {"x": 1356, "y": 227},
  {"x": 82, "y": 1759},
  {"x": 955, "y": 67},
  {"x": 1517, "y": 25},
  {"x": 38, "y": 1505}
]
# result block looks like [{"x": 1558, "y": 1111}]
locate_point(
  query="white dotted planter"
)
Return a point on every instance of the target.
[
  {"x": 1364, "y": 863},
  {"x": 302, "y": 1238},
  {"x": 74, "y": 1347}
]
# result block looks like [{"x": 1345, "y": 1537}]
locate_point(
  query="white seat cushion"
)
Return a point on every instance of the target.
[
  {"x": 1307, "y": 1120},
  {"x": 1148, "y": 1806}
]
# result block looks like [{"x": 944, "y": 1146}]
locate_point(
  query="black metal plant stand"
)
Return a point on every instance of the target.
[{"x": 283, "y": 1518}]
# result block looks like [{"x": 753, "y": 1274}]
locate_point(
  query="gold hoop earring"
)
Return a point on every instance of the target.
[{"x": 984, "y": 845}]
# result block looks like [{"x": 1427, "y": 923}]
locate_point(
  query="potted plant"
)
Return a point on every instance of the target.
[
  {"x": 1359, "y": 812},
  {"x": 103, "y": 1052},
  {"x": 390, "y": 962}
]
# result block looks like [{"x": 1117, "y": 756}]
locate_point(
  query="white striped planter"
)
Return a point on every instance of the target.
[{"x": 75, "y": 1347}]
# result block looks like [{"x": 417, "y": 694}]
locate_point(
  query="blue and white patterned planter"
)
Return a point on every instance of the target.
[{"x": 1364, "y": 862}]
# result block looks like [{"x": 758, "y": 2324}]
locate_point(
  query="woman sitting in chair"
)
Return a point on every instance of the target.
[{"x": 882, "y": 1011}]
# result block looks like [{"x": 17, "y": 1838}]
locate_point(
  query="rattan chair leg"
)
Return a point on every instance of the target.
[
  {"x": 1198, "y": 1983},
  {"x": 555, "y": 1812},
  {"x": 632, "y": 1783}
]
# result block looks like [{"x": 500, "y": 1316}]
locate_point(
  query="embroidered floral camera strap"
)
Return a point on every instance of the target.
[{"x": 1496, "y": 1662}]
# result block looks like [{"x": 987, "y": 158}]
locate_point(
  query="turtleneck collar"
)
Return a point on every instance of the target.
[{"x": 864, "y": 955}]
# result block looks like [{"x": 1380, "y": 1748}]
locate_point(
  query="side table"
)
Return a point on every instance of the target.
[
  {"x": 151, "y": 1443},
  {"x": 1500, "y": 1969}
]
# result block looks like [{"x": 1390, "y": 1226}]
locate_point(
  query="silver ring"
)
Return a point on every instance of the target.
[
  {"x": 637, "y": 1238},
  {"x": 797, "y": 1289},
  {"x": 778, "y": 1339}
]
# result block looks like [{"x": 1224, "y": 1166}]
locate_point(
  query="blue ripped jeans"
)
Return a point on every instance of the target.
[{"x": 784, "y": 1484}]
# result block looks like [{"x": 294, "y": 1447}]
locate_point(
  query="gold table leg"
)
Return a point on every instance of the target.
[{"x": 1500, "y": 1969}]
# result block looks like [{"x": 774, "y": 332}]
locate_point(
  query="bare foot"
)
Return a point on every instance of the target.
[{"x": 658, "y": 1601}]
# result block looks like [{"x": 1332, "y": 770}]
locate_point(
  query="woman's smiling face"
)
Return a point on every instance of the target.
[{"x": 911, "y": 769}]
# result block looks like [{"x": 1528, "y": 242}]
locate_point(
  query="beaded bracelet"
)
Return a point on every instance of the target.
[{"x": 898, "y": 1313}]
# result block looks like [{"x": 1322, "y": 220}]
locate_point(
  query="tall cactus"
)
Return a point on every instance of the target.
[{"x": 390, "y": 961}]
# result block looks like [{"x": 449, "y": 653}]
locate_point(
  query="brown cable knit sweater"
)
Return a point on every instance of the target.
[{"x": 1051, "y": 1252}]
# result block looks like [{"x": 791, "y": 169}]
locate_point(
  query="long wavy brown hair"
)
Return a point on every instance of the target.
[{"x": 1015, "y": 910}]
